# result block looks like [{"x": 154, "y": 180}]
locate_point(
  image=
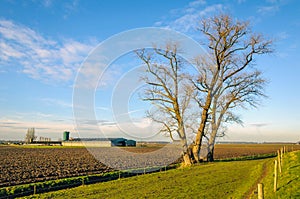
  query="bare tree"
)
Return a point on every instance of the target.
[
  {"x": 168, "y": 90},
  {"x": 242, "y": 90},
  {"x": 30, "y": 135},
  {"x": 232, "y": 48},
  {"x": 225, "y": 81}
]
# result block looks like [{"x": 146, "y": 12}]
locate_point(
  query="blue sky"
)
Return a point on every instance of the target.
[{"x": 43, "y": 43}]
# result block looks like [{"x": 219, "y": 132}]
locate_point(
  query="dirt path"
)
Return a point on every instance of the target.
[{"x": 263, "y": 174}]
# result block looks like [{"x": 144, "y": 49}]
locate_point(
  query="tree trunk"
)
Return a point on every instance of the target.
[
  {"x": 200, "y": 133},
  {"x": 196, "y": 151},
  {"x": 211, "y": 143},
  {"x": 210, "y": 154},
  {"x": 187, "y": 160}
]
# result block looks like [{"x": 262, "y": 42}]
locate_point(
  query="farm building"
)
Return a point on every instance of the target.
[{"x": 99, "y": 142}]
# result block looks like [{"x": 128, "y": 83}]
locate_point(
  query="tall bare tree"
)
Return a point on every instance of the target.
[
  {"x": 168, "y": 90},
  {"x": 226, "y": 80},
  {"x": 232, "y": 47}
]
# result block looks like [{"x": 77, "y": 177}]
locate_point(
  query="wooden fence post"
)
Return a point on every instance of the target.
[
  {"x": 281, "y": 158},
  {"x": 275, "y": 176},
  {"x": 279, "y": 161},
  {"x": 260, "y": 190}
]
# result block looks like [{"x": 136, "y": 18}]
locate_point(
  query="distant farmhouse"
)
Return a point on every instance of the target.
[
  {"x": 99, "y": 142},
  {"x": 96, "y": 142},
  {"x": 87, "y": 142}
]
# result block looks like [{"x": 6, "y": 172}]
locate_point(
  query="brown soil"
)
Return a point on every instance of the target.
[{"x": 25, "y": 165}]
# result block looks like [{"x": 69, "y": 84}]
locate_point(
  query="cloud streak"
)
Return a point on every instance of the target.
[
  {"x": 268, "y": 9},
  {"x": 16, "y": 129},
  {"x": 187, "y": 19},
  {"x": 272, "y": 7},
  {"x": 57, "y": 102},
  {"x": 258, "y": 125},
  {"x": 39, "y": 57}
]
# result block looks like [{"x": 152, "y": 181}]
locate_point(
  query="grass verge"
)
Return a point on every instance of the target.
[
  {"x": 235, "y": 179},
  {"x": 288, "y": 181},
  {"x": 212, "y": 180}
]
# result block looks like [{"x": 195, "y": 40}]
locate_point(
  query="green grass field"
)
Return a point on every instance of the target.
[
  {"x": 214, "y": 180},
  {"x": 288, "y": 181},
  {"x": 236, "y": 179}
]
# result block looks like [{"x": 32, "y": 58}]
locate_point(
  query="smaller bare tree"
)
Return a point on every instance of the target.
[
  {"x": 169, "y": 92},
  {"x": 30, "y": 135},
  {"x": 242, "y": 91}
]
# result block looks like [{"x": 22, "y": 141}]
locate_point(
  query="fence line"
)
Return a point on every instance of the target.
[
  {"x": 278, "y": 166},
  {"x": 41, "y": 187}
]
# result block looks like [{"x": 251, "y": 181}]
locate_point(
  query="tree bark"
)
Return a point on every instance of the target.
[
  {"x": 200, "y": 132},
  {"x": 211, "y": 145},
  {"x": 187, "y": 159},
  {"x": 210, "y": 154}
]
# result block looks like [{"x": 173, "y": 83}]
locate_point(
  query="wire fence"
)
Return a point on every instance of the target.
[{"x": 55, "y": 185}]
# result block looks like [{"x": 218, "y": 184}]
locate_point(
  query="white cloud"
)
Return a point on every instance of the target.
[
  {"x": 53, "y": 126},
  {"x": 50, "y": 101},
  {"x": 190, "y": 21},
  {"x": 9, "y": 52},
  {"x": 68, "y": 6},
  {"x": 272, "y": 6},
  {"x": 16, "y": 129},
  {"x": 187, "y": 19},
  {"x": 39, "y": 57},
  {"x": 196, "y": 3},
  {"x": 143, "y": 122},
  {"x": 102, "y": 108},
  {"x": 35, "y": 116},
  {"x": 261, "y": 132},
  {"x": 268, "y": 9}
]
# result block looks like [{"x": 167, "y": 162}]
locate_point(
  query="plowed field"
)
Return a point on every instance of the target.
[{"x": 19, "y": 165}]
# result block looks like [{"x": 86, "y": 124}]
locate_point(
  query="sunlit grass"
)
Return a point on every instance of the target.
[
  {"x": 213, "y": 180},
  {"x": 288, "y": 181}
]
